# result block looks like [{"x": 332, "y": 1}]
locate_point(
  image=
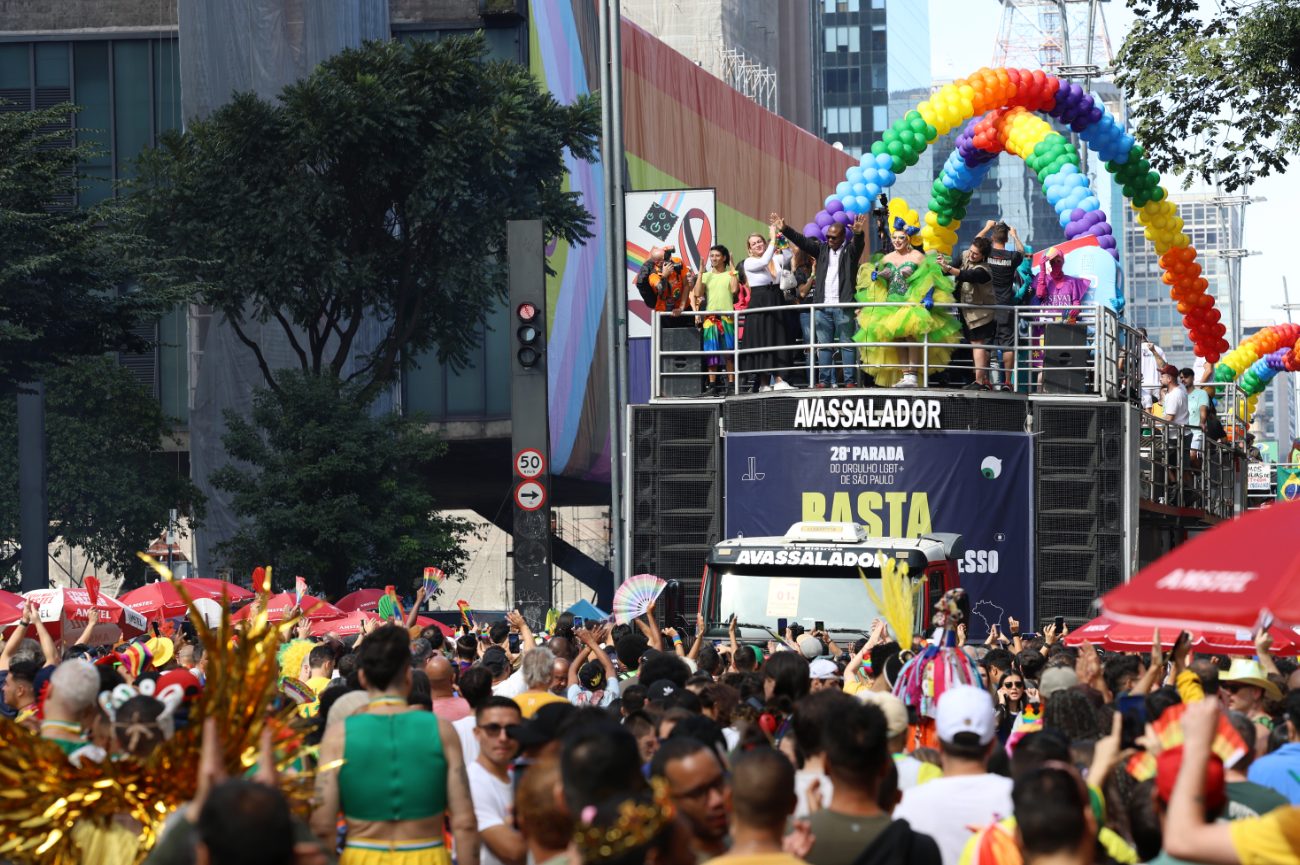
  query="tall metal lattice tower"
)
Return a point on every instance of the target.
[{"x": 1049, "y": 34}]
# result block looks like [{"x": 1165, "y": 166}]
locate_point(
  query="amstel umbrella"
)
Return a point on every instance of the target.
[
  {"x": 1245, "y": 573},
  {"x": 279, "y": 606},
  {"x": 1132, "y": 636},
  {"x": 361, "y": 599},
  {"x": 66, "y": 611},
  {"x": 161, "y": 600},
  {"x": 220, "y": 587}
]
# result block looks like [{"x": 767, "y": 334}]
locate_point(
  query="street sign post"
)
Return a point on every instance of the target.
[
  {"x": 529, "y": 464},
  {"x": 530, "y": 495}
]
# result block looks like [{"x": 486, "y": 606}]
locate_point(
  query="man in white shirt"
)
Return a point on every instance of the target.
[
  {"x": 966, "y": 795},
  {"x": 1152, "y": 359},
  {"x": 489, "y": 783},
  {"x": 1175, "y": 401}
]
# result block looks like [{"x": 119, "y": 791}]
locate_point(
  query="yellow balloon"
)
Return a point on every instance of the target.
[
  {"x": 931, "y": 218},
  {"x": 966, "y": 91},
  {"x": 1182, "y": 241},
  {"x": 897, "y": 207},
  {"x": 923, "y": 107},
  {"x": 912, "y": 218}
]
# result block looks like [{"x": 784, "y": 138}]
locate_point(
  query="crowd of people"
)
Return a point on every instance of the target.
[
  {"x": 861, "y": 346},
  {"x": 602, "y": 744}
]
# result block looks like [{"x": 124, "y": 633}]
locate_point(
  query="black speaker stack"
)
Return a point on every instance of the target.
[
  {"x": 1079, "y": 504},
  {"x": 676, "y": 494}
]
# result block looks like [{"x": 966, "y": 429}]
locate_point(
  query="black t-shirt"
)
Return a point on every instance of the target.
[{"x": 1004, "y": 262}]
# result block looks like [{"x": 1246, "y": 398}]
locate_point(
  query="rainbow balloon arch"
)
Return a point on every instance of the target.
[{"x": 1006, "y": 101}]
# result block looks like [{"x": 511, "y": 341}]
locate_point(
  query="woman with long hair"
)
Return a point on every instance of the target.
[
  {"x": 716, "y": 291},
  {"x": 765, "y": 330}
]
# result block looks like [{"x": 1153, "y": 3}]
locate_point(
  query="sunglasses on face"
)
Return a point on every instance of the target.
[
  {"x": 1230, "y": 687},
  {"x": 492, "y": 731},
  {"x": 1020, "y": 686}
]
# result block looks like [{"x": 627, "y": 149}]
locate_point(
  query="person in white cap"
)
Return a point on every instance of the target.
[
  {"x": 822, "y": 673},
  {"x": 966, "y": 795}
]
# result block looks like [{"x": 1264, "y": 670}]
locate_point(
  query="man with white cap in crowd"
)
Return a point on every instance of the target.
[
  {"x": 911, "y": 771},
  {"x": 967, "y": 794},
  {"x": 824, "y": 674}
]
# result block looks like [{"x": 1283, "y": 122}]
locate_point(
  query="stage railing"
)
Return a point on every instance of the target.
[
  {"x": 1207, "y": 478},
  {"x": 1092, "y": 354}
]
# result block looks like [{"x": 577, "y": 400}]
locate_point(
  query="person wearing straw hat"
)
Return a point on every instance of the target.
[{"x": 1246, "y": 683}]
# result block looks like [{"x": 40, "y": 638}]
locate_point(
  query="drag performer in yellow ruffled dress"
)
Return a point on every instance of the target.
[{"x": 907, "y": 276}]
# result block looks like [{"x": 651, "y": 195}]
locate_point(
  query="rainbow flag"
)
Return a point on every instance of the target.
[{"x": 1028, "y": 721}]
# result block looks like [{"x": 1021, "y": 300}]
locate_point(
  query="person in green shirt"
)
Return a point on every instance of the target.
[
  {"x": 715, "y": 291},
  {"x": 73, "y": 688},
  {"x": 1245, "y": 797}
]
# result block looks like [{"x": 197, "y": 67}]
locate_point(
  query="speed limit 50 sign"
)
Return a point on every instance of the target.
[{"x": 529, "y": 463}]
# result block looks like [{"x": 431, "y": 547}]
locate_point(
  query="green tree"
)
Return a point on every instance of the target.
[
  {"x": 109, "y": 489},
  {"x": 63, "y": 268},
  {"x": 333, "y": 494},
  {"x": 1214, "y": 99},
  {"x": 377, "y": 188}
]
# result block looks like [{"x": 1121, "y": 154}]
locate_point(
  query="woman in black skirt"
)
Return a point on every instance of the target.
[{"x": 765, "y": 330}]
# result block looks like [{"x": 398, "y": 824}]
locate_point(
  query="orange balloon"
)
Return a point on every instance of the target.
[
  {"x": 1202, "y": 283},
  {"x": 1204, "y": 300},
  {"x": 1175, "y": 293},
  {"x": 1168, "y": 278},
  {"x": 1184, "y": 307},
  {"x": 1188, "y": 254},
  {"x": 1193, "y": 269}
]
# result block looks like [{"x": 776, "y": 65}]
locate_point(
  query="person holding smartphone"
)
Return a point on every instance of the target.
[{"x": 1015, "y": 694}]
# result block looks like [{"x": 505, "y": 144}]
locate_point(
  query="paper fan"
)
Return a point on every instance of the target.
[
  {"x": 385, "y": 609},
  {"x": 466, "y": 616},
  {"x": 1227, "y": 745},
  {"x": 432, "y": 579},
  {"x": 635, "y": 596},
  {"x": 92, "y": 586},
  {"x": 297, "y": 690}
]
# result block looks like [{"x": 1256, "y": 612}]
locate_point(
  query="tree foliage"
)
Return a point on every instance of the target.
[
  {"x": 1214, "y": 99},
  {"x": 379, "y": 186},
  {"x": 333, "y": 494},
  {"x": 109, "y": 489},
  {"x": 63, "y": 268}
]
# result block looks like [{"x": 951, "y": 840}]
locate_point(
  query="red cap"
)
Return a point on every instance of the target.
[
  {"x": 189, "y": 683},
  {"x": 1169, "y": 369},
  {"x": 1167, "y": 764}
]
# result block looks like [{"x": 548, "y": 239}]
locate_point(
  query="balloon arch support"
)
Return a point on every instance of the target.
[{"x": 998, "y": 108}]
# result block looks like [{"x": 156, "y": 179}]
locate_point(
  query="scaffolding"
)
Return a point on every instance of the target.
[
  {"x": 749, "y": 78},
  {"x": 1050, "y": 34}
]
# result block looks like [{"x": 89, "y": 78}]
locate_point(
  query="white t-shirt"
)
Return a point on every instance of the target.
[
  {"x": 511, "y": 687},
  {"x": 803, "y": 779},
  {"x": 610, "y": 694},
  {"x": 468, "y": 742},
  {"x": 1152, "y": 361},
  {"x": 1175, "y": 403},
  {"x": 909, "y": 768},
  {"x": 831, "y": 294},
  {"x": 494, "y": 805},
  {"x": 944, "y": 807}
]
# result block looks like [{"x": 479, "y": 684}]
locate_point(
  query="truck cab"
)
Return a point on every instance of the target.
[{"x": 811, "y": 575}]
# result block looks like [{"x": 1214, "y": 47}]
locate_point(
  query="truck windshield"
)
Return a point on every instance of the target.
[{"x": 761, "y": 595}]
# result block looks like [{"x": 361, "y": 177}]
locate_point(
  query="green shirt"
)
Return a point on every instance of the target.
[
  {"x": 717, "y": 291},
  {"x": 841, "y": 838},
  {"x": 1248, "y": 799},
  {"x": 1195, "y": 401}
]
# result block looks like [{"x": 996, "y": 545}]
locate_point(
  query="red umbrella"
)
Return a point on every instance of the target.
[
  {"x": 11, "y": 599},
  {"x": 65, "y": 611},
  {"x": 280, "y": 605},
  {"x": 10, "y": 613},
  {"x": 219, "y": 587},
  {"x": 161, "y": 600},
  {"x": 345, "y": 626},
  {"x": 1243, "y": 572},
  {"x": 361, "y": 599},
  {"x": 425, "y": 621},
  {"x": 1132, "y": 636}
]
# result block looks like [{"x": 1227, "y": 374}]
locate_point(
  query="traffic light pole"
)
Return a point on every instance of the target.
[
  {"x": 530, "y": 422},
  {"x": 33, "y": 492}
]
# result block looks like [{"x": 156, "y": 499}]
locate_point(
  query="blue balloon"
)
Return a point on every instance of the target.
[
  {"x": 1090, "y": 203},
  {"x": 949, "y": 181},
  {"x": 1065, "y": 219},
  {"x": 885, "y": 177},
  {"x": 863, "y": 204},
  {"x": 831, "y": 199},
  {"x": 859, "y": 189},
  {"x": 884, "y": 160},
  {"x": 853, "y": 175},
  {"x": 870, "y": 175},
  {"x": 872, "y": 190},
  {"x": 843, "y": 188},
  {"x": 1069, "y": 168},
  {"x": 1055, "y": 193}
]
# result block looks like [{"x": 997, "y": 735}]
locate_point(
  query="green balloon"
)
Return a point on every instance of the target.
[
  {"x": 895, "y": 148},
  {"x": 1158, "y": 194},
  {"x": 1128, "y": 191},
  {"x": 1140, "y": 200},
  {"x": 931, "y": 133},
  {"x": 959, "y": 213},
  {"x": 877, "y": 148},
  {"x": 1136, "y": 152},
  {"x": 1143, "y": 166},
  {"x": 906, "y": 136},
  {"x": 1113, "y": 167},
  {"x": 889, "y": 136},
  {"x": 938, "y": 188},
  {"x": 910, "y": 157},
  {"x": 1153, "y": 179},
  {"x": 918, "y": 144},
  {"x": 943, "y": 220},
  {"x": 912, "y": 115},
  {"x": 1040, "y": 148},
  {"x": 899, "y": 165}
]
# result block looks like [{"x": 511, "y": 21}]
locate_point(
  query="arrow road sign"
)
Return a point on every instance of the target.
[
  {"x": 529, "y": 463},
  {"x": 530, "y": 495}
]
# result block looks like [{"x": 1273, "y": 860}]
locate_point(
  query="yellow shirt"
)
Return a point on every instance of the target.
[
  {"x": 1268, "y": 840},
  {"x": 757, "y": 859},
  {"x": 530, "y": 701}
]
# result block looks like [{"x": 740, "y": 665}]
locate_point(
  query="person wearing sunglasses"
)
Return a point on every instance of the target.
[
  {"x": 1014, "y": 696},
  {"x": 490, "y": 784}
]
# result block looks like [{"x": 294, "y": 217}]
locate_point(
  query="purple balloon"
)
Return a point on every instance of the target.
[
  {"x": 1095, "y": 114},
  {"x": 835, "y": 206},
  {"x": 1103, "y": 229},
  {"x": 1077, "y": 214},
  {"x": 842, "y": 218},
  {"x": 1080, "y": 123},
  {"x": 812, "y": 229},
  {"x": 1114, "y": 253},
  {"x": 851, "y": 214},
  {"x": 822, "y": 218},
  {"x": 1106, "y": 242}
]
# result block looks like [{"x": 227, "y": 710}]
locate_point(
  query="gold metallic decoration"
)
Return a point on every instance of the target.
[
  {"x": 55, "y": 813},
  {"x": 638, "y": 823}
]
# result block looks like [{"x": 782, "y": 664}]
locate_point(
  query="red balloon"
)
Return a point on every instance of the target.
[{"x": 1212, "y": 356}]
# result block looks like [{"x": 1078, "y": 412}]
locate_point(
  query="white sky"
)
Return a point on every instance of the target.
[{"x": 963, "y": 34}]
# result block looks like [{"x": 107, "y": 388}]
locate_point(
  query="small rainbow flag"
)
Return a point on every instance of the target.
[
  {"x": 466, "y": 616},
  {"x": 299, "y": 589},
  {"x": 1028, "y": 721},
  {"x": 432, "y": 579}
]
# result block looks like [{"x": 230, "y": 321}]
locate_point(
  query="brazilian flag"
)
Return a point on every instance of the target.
[{"x": 1288, "y": 483}]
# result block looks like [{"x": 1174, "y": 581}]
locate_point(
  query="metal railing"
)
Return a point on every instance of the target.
[
  {"x": 1182, "y": 467},
  {"x": 1100, "y": 358}
]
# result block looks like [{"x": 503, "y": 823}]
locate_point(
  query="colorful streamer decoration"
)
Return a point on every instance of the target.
[{"x": 998, "y": 108}]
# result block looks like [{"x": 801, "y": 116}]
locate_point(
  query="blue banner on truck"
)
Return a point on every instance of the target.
[{"x": 902, "y": 485}]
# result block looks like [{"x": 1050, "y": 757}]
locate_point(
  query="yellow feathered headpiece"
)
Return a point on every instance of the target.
[{"x": 899, "y": 603}]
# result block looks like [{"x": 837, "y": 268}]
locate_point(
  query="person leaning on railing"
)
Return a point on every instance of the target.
[
  {"x": 974, "y": 283},
  {"x": 837, "y": 266}
]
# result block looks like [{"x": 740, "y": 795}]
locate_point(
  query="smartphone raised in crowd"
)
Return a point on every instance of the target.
[
  {"x": 780, "y": 626},
  {"x": 819, "y": 626},
  {"x": 577, "y": 622},
  {"x": 514, "y": 644},
  {"x": 1059, "y": 621}
]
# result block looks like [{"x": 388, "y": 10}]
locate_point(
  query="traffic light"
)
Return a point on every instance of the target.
[{"x": 528, "y": 335}]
